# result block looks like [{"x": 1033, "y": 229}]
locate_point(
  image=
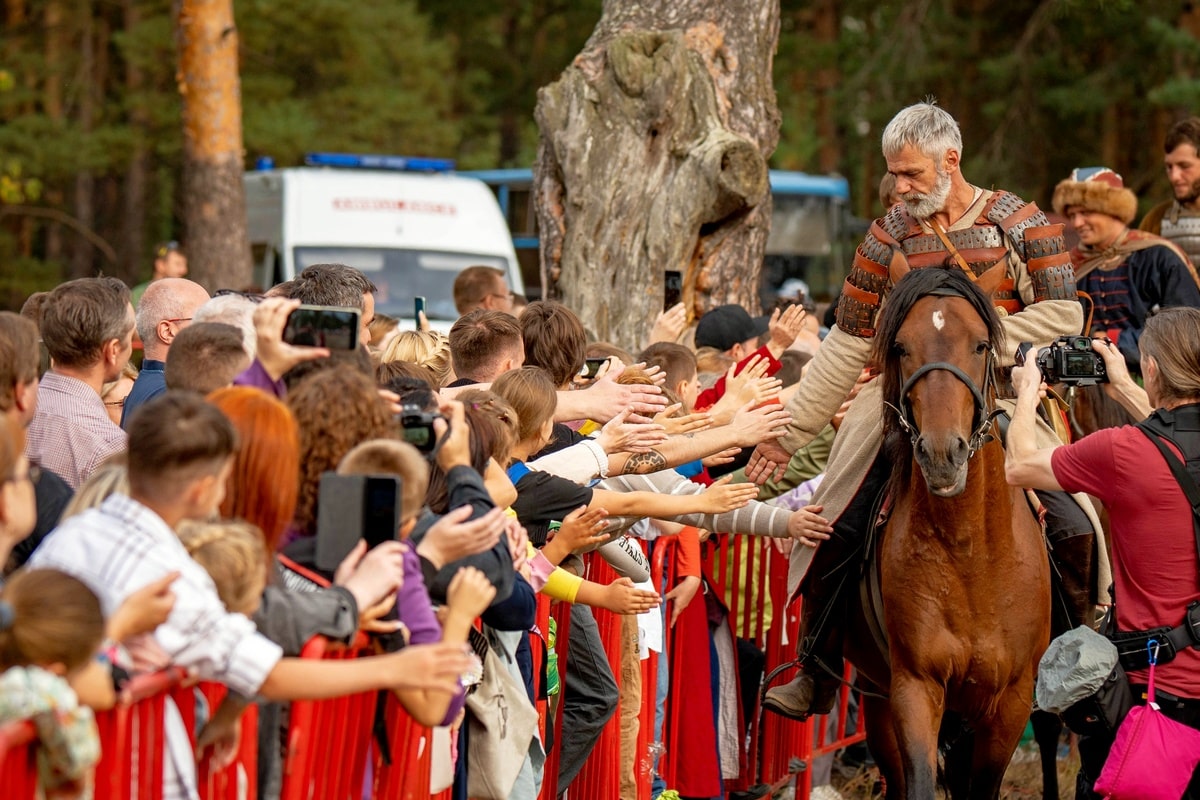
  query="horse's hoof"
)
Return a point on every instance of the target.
[{"x": 802, "y": 697}]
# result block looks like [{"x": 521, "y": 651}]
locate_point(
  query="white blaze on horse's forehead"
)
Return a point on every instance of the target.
[{"x": 939, "y": 319}]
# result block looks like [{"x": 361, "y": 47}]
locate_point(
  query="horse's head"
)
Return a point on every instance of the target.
[{"x": 935, "y": 346}]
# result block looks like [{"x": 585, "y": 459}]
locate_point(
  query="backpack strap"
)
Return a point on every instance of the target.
[{"x": 1186, "y": 483}]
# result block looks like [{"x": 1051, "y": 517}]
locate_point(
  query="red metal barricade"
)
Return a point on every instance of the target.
[
  {"x": 133, "y": 739},
  {"x": 405, "y": 774},
  {"x": 328, "y": 741},
  {"x": 18, "y": 760},
  {"x": 600, "y": 777},
  {"x": 561, "y": 612},
  {"x": 240, "y": 779}
]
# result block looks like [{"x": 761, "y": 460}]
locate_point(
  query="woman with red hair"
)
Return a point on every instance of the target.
[{"x": 261, "y": 488}]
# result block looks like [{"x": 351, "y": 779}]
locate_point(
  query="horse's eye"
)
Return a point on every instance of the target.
[
  {"x": 982, "y": 348},
  {"x": 898, "y": 349}
]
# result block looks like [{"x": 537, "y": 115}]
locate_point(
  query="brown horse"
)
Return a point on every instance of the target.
[{"x": 962, "y": 569}]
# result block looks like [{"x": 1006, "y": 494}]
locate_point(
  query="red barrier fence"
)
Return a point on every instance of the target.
[{"x": 18, "y": 760}]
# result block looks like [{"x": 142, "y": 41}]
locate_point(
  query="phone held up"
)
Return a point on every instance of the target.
[
  {"x": 591, "y": 367},
  {"x": 353, "y": 507},
  {"x": 418, "y": 310},
  {"x": 673, "y": 281},
  {"x": 323, "y": 326}
]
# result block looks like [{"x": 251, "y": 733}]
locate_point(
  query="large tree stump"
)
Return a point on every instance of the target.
[{"x": 653, "y": 156}]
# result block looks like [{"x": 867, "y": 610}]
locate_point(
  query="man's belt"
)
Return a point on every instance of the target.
[{"x": 1132, "y": 649}]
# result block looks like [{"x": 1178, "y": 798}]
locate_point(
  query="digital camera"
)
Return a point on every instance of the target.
[
  {"x": 418, "y": 427},
  {"x": 1071, "y": 360}
]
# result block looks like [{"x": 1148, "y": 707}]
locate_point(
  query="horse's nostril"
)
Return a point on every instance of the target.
[
  {"x": 921, "y": 448},
  {"x": 961, "y": 450}
]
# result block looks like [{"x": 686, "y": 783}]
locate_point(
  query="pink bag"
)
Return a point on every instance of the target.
[{"x": 1153, "y": 756}]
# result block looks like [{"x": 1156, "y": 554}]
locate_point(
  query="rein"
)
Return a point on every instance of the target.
[{"x": 983, "y": 415}]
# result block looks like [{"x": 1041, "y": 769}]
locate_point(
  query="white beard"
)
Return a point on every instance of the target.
[{"x": 924, "y": 206}]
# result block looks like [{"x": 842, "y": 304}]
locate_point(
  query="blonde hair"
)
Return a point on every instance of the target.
[
  {"x": 234, "y": 555},
  {"x": 111, "y": 477},
  {"x": 392, "y": 457},
  {"x": 429, "y": 349},
  {"x": 128, "y": 371}
]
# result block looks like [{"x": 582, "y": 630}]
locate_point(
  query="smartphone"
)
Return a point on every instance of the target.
[
  {"x": 353, "y": 507},
  {"x": 323, "y": 326},
  {"x": 673, "y": 280},
  {"x": 418, "y": 310},
  {"x": 591, "y": 367}
]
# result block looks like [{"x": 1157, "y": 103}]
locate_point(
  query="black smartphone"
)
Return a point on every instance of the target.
[
  {"x": 323, "y": 326},
  {"x": 418, "y": 310},
  {"x": 673, "y": 280},
  {"x": 591, "y": 367},
  {"x": 353, "y": 507}
]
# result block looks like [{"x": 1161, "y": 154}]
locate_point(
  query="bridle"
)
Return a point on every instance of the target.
[{"x": 984, "y": 413}]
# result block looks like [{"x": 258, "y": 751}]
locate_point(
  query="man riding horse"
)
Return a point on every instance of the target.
[{"x": 945, "y": 222}]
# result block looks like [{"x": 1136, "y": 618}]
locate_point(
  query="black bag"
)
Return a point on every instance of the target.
[{"x": 1100, "y": 714}]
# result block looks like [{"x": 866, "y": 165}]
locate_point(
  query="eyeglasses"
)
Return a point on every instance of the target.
[
  {"x": 178, "y": 319},
  {"x": 116, "y": 403}
]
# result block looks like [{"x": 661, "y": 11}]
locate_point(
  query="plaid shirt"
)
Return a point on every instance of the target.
[
  {"x": 71, "y": 433},
  {"x": 122, "y": 546}
]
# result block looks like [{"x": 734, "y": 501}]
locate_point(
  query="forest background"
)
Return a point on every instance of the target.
[{"x": 90, "y": 112}]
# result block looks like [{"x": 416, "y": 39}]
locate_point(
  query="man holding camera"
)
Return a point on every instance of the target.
[
  {"x": 1155, "y": 535},
  {"x": 1128, "y": 274},
  {"x": 945, "y": 222}
]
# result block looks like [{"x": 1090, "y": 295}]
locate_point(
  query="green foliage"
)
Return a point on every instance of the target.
[{"x": 1040, "y": 86}]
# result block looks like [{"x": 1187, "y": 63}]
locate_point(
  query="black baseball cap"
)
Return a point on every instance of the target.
[{"x": 724, "y": 326}]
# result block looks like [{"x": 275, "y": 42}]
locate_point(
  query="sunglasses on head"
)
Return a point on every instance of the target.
[{"x": 253, "y": 297}]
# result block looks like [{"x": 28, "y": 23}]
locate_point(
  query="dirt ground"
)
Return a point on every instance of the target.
[{"x": 1023, "y": 781}]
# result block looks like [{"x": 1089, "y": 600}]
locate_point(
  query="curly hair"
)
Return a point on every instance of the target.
[
  {"x": 336, "y": 408},
  {"x": 261, "y": 488},
  {"x": 423, "y": 348}
]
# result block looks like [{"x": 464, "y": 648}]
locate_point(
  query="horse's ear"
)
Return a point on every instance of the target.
[
  {"x": 898, "y": 267},
  {"x": 990, "y": 281}
]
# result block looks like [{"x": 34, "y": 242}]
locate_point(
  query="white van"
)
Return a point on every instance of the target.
[{"x": 409, "y": 229}]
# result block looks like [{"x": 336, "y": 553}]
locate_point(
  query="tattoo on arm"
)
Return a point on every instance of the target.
[{"x": 641, "y": 463}]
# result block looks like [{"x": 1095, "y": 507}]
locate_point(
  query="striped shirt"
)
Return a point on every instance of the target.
[{"x": 71, "y": 433}]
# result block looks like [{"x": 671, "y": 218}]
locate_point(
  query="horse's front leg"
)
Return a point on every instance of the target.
[
  {"x": 996, "y": 741},
  {"x": 917, "y": 708}
]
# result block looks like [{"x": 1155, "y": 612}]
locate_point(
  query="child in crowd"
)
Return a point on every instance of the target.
[
  {"x": 50, "y": 631},
  {"x": 234, "y": 556}
]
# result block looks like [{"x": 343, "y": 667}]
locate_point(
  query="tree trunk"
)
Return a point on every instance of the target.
[
  {"x": 214, "y": 199},
  {"x": 653, "y": 155},
  {"x": 91, "y": 86},
  {"x": 133, "y": 196}
]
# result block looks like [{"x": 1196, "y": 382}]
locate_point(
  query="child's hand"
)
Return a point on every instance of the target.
[
  {"x": 437, "y": 667},
  {"x": 622, "y": 597},
  {"x": 681, "y": 596},
  {"x": 371, "y": 619},
  {"x": 808, "y": 527},
  {"x": 455, "y": 536},
  {"x": 723, "y": 457},
  {"x": 682, "y": 426},
  {"x": 582, "y": 528},
  {"x": 469, "y": 593},
  {"x": 724, "y": 496},
  {"x": 630, "y": 433},
  {"x": 143, "y": 610}
]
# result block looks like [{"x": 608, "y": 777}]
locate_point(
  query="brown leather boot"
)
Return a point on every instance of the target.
[{"x": 803, "y": 696}]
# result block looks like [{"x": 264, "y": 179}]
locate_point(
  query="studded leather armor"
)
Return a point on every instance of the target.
[{"x": 1006, "y": 222}]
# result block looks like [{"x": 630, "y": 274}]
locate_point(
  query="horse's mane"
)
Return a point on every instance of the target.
[{"x": 908, "y": 290}]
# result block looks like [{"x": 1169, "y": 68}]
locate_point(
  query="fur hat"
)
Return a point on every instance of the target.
[{"x": 1096, "y": 189}]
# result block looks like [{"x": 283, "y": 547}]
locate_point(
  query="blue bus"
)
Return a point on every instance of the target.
[{"x": 809, "y": 226}]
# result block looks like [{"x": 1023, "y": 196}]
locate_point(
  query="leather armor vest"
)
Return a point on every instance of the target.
[
  {"x": 1184, "y": 232},
  {"x": 1006, "y": 221}
]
